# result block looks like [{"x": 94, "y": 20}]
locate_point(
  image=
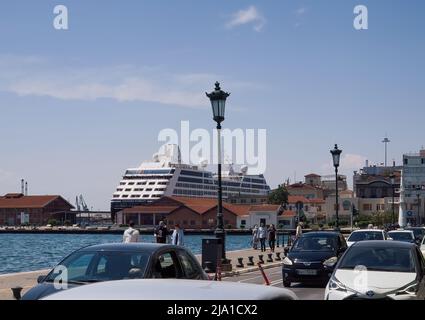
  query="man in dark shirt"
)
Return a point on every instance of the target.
[{"x": 161, "y": 233}]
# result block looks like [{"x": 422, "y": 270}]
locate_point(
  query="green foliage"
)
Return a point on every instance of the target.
[
  {"x": 278, "y": 196},
  {"x": 52, "y": 222},
  {"x": 67, "y": 223}
]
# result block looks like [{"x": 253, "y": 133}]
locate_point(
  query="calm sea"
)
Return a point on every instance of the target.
[{"x": 29, "y": 252}]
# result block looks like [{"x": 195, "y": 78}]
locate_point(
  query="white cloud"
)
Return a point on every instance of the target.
[
  {"x": 301, "y": 11},
  {"x": 37, "y": 77},
  {"x": 249, "y": 15},
  {"x": 348, "y": 162}
]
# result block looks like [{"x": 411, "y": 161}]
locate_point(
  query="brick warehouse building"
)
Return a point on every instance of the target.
[
  {"x": 17, "y": 209},
  {"x": 190, "y": 213}
]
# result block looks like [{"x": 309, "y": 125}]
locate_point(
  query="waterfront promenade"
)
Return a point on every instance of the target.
[{"x": 26, "y": 280}]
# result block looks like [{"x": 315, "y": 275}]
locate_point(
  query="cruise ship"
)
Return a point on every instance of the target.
[{"x": 166, "y": 175}]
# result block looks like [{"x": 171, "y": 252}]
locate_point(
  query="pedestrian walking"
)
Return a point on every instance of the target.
[
  {"x": 255, "y": 237},
  {"x": 271, "y": 234},
  {"x": 177, "y": 237},
  {"x": 131, "y": 234},
  {"x": 262, "y": 235},
  {"x": 161, "y": 233},
  {"x": 299, "y": 231}
]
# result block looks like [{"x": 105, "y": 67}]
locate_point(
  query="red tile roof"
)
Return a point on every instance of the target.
[
  {"x": 295, "y": 199},
  {"x": 199, "y": 205},
  {"x": 312, "y": 175},
  {"x": 19, "y": 201},
  {"x": 288, "y": 214},
  {"x": 264, "y": 207}
]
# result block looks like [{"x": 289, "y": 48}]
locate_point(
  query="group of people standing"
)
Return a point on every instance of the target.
[
  {"x": 261, "y": 234},
  {"x": 161, "y": 234}
]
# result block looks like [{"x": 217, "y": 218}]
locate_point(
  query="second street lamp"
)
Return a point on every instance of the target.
[
  {"x": 336, "y": 154},
  {"x": 218, "y": 103},
  {"x": 392, "y": 178}
]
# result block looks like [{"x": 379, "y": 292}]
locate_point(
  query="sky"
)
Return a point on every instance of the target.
[{"x": 79, "y": 106}]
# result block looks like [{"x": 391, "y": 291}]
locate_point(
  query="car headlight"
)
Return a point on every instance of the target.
[
  {"x": 287, "y": 262},
  {"x": 411, "y": 288},
  {"x": 334, "y": 284},
  {"x": 330, "y": 262}
]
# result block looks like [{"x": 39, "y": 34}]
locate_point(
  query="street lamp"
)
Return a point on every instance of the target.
[
  {"x": 336, "y": 153},
  {"x": 418, "y": 221},
  {"x": 218, "y": 103},
  {"x": 392, "y": 178}
]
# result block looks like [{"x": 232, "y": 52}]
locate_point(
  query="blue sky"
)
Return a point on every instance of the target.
[{"x": 79, "y": 106}]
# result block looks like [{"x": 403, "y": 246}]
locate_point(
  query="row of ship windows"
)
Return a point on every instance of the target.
[
  {"x": 206, "y": 187},
  {"x": 143, "y": 183},
  {"x": 138, "y": 196},
  {"x": 166, "y": 177},
  {"x": 140, "y": 189}
]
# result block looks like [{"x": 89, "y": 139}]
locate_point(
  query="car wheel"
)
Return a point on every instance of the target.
[{"x": 286, "y": 283}]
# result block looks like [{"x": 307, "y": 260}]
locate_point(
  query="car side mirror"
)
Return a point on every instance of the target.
[
  {"x": 389, "y": 238},
  {"x": 41, "y": 278}
]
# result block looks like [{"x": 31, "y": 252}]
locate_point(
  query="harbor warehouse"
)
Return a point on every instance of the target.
[{"x": 17, "y": 209}]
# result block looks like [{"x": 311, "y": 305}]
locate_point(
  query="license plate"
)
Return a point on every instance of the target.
[{"x": 307, "y": 272}]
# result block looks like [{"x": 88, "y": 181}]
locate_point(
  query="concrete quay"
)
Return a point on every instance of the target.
[{"x": 27, "y": 280}]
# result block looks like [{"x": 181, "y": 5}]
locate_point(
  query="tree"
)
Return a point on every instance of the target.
[{"x": 278, "y": 195}]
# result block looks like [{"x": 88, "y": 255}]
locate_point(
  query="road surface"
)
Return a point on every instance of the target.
[{"x": 303, "y": 291}]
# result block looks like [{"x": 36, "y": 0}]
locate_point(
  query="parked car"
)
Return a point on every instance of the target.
[
  {"x": 378, "y": 270},
  {"x": 120, "y": 261},
  {"x": 418, "y": 231},
  {"x": 313, "y": 257},
  {"x": 402, "y": 235},
  {"x": 169, "y": 289},
  {"x": 423, "y": 246},
  {"x": 366, "y": 234}
]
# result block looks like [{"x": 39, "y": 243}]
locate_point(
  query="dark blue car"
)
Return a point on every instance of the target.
[{"x": 312, "y": 257}]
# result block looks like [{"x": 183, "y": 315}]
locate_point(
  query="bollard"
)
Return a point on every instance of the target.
[
  {"x": 17, "y": 292},
  {"x": 266, "y": 280},
  {"x": 270, "y": 259},
  {"x": 240, "y": 263},
  {"x": 278, "y": 258},
  {"x": 260, "y": 257},
  {"x": 251, "y": 261}
]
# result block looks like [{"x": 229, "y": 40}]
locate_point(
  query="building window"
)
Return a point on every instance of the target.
[
  {"x": 346, "y": 205},
  {"x": 367, "y": 207},
  {"x": 380, "y": 207},
  {"x": 127, "y": 189},
  {"x": 405, "y": 161},
  {"x": 319, "y": 208},
  {"x": 243, "y": 222}
]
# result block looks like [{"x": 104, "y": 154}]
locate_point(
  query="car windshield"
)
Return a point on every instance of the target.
[
  {"x": 85, "y": 267},
  {"x": 379, "y": 259},
  {"x": 418, "y": 232},
  {"x": 401, "y": 236},
  {"x": 315, "y": 243},
  {"x": 366, "y": 235}
]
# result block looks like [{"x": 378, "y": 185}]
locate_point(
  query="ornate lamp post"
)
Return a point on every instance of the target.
[
  {"x": 336, "y": 153},
  {"x": 218, "y": 103}
]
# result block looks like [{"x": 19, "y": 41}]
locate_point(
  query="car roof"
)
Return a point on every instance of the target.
[
  {"x": 383, "y": 244},
  {"x": 129, "y": 247},
  {"x": 368, "y": 230},
  {"x": 321, "y": 233},
  {"x": 173, "y": 289},
  {"x": 401, "y": 231}
]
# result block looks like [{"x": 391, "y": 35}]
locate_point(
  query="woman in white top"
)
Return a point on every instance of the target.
[{"x": 178, "y": 236}]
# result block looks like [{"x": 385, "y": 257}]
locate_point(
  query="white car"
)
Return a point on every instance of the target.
[
  {"x": 380, "y": 270},
  {"x": 173, "y": 289},
  {"x": 366, "y": 234},
  {"x": 402, "y": 235}
]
